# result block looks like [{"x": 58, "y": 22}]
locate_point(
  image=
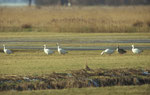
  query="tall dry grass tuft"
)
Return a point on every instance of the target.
[
  {"x": 75, "y": 19},
  {"x": 148, "y": 23},
  {"x": 138, "y": 24},
  {"x": 26, "y": 26}
]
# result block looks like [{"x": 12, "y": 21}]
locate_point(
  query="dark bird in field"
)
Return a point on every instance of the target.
[
  {"x": 120, "y": 51},
  {"x": 87, "y": 67}
]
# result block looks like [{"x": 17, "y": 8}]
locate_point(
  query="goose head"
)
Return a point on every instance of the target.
[
  {"x": 102, "y": 52},
  {"x": 4, "y": 46},
  {"x": 132, "y": 46},
  {"x": 57, "y": 44},
  {"x": 44, "y": 45}
]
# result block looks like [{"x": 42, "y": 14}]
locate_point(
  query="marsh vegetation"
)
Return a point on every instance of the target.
[{"x": 94, "y": 19}]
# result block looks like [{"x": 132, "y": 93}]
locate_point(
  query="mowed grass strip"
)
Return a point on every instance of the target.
[
  {"x": 36, "y": 62},
  {"x": 113, "y": 90},
  {"x": 48, "y": 35},
  {"x": 70, "y": 39}
]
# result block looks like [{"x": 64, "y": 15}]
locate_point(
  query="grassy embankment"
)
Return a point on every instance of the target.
[{"x": 76, "y": 19}]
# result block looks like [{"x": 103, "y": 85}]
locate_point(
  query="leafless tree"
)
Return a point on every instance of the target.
[{"x": 30, "y": 2}]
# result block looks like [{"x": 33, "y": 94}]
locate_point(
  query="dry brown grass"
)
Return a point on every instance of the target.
[
  {"x": 75, "y": 19},
  {"x": 76, "y": 79},
  {"x": 148, "y": 23}
]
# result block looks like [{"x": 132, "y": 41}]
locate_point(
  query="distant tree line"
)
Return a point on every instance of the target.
[{"x": 92, "y": 2}]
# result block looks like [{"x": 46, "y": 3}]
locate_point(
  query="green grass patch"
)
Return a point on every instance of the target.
[
  {"x": 38, "y": 63},
  {"x": 35, "y": 62}
]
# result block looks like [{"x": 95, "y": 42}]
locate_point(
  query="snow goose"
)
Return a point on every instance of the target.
[
  {"x": 136, "y": 50},
  {"x": 47, "y": 51},
  {"x": 7, "y": 51},
  {"x": 120, "y": 51},
  {"x": 60, "y": 50},
  {"x": 107, "y": 51}
]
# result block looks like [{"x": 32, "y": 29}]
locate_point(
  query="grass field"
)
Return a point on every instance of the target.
[
  {"x": 75, "y": 24},
  {"x": 37, "y": 63},
  {"x": 115, "y": 90},
  {"x": 95, "y": 19},
  {"x": 33, "y": 62}
]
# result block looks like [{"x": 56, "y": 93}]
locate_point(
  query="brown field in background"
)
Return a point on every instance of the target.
[{"x": 97, "y": 19}]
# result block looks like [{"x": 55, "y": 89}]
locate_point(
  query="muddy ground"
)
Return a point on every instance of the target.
[{"x": 76, "y": 79}]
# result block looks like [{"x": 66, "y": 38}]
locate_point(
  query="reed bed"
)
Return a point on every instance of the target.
[{"x": 97, "y": 19}]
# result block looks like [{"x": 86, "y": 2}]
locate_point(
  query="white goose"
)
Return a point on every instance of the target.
[
  {"x": 107, "y": 51},
  {"x": 136, "y": 50},
  {"x": 47, "y": 51},
  {"x": 60, "y": 50},
  {"x": 7, "y": 51}
]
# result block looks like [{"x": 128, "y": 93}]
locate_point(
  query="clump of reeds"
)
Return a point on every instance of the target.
[
  {"x": 26, "y": 26},
  {"x": 148, "y": 23},
  {"x": 138, "y": 24}
]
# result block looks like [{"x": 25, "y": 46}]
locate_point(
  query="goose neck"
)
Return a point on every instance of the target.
[
  {"x": 58, "y": 47},
  {"x": 132, "y": 46},
  {"x": 44, "y": 46}
]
